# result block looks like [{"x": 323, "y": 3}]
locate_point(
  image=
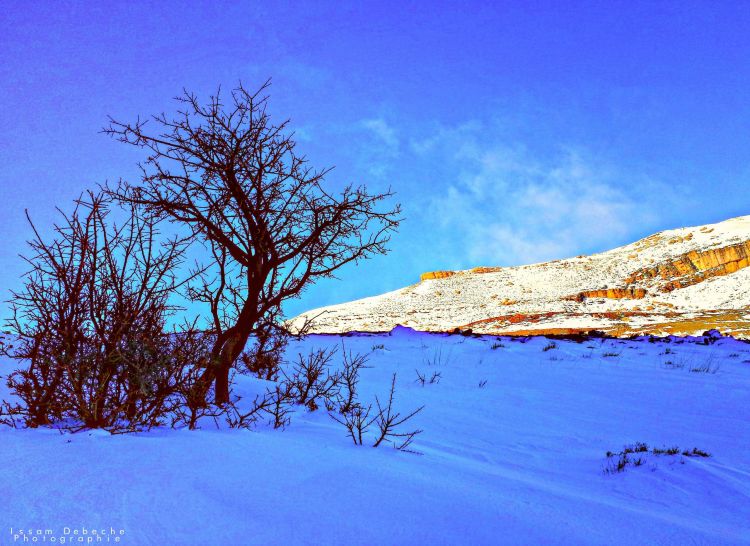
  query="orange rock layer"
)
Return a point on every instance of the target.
[
  {"x": 486, "y": 269},
  {"x": 611, "y": 293},
  {"x": 444, "y": 274},
  {"x": 436, "y": 275},
  {"x": 688, "y": 269},
  {"x": 696, "y": 266},
  {"x": 731, "y": 322},
  {"x": 534, "y": 318}
]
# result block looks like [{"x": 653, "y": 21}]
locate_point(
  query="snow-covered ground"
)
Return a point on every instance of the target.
[
  {"x": 541, "y": 298},
  {"x": 518, "y": 461}
]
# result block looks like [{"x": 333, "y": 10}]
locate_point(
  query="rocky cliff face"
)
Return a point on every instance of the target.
[
  {"x": 611, "y": 293},
  {"x": 696, "y": 266},
  {"x": 681, "y": 281},
  {"x": 430, "y": 275}
]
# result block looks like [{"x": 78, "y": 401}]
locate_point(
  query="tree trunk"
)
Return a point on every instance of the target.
[
  {"x": 226, "y": 350},
  {"x": 230, "y": 351},
  {"x": 221, "y": 386}
]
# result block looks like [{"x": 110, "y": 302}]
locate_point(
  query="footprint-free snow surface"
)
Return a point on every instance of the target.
[{"x": 513, "y": 452}]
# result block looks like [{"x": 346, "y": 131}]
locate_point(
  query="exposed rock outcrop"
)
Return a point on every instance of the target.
[
  {"x": 429, "y": 275},
  {"x": 436, "y": 275},
  {"x": 486, "y": 269},
  {"x": 696, "y": 266},
  {"x": 610, "y": 293}
]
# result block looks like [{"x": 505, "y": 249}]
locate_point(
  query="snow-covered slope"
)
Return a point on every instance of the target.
[
  {"x": 513, "y": 452},
  {"x": 682, "y": 281}
]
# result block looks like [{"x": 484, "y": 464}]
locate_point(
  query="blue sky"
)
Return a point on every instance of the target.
[{"x": 513, "y": 132}]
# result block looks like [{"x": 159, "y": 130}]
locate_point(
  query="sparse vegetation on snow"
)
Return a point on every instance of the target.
[{"x": 511, "y": 443}]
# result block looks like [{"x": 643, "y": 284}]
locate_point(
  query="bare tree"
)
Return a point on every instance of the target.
[
  {"x": 312, "y": 380},
  {"x": 236, "y": 181},
  {"x": 357, "y": 421},
  {"x": 387, "y": 420},
  {"x": 355, "y": 417},
  {"x": 349, "y": 379},
  {"x": 89, "y": 325}
]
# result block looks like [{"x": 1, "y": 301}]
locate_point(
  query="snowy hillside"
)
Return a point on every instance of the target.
[
  {"x": 516, "y": 432},
  {"x": 683, "y": 282}
]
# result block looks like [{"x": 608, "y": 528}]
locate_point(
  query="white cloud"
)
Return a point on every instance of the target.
[
  {"x": 382, "y": 146},
  {"x": 510, "y": 207},
  {"x": 382, "y": 131}
]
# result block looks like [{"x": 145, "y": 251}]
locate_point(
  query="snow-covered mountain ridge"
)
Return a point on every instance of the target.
[{"x": 682, "y": 281}]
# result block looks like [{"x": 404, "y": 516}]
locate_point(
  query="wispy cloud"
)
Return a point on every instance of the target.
[
  {"x": 381, "y": 146},
  {"x": 382, "y": 131},
  {"x": 509, "y": 206}
]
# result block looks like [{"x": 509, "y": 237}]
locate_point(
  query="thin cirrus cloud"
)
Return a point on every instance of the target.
[
  {"x": 502, "y": 205},
  {"x": 380, "y": 147},
  {"x": 472, "y": 197},
  {"x": 382, "y": 131}
]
